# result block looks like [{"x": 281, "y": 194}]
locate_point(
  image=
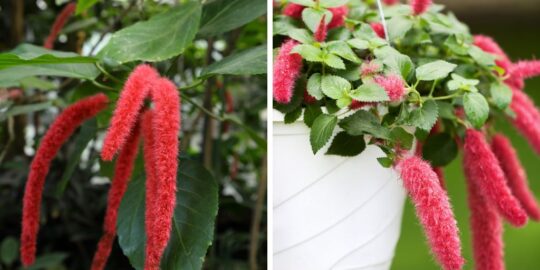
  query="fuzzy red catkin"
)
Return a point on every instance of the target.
[
  {"x": 525, "y": 69},
  {"x": 526, "y": 120},
  {"x": 525, "y": 102},
  {"x": 293, "y": 10},
  {"x": 378, "y": 28},
  {"x": 393, "y": 85},
  {"x": 287, "y": 67},
  {"x": 434, "y": 211},
  {"x": 515, "y": 174},
  {"x": 166, "y": 126},
  {"x": 59, "y": 131},
  {"x": 486, "y": 227},
  {"x": 322, "y": 30},
  {"x": 338, "y": 16},
  {"x": 122, "y": 174},
  {"x": 420, "y": 6},
  {"x": 58, "y": 24},
  {"x": 486, "y": 172},
  {"x": 128, "y": 107},
  {"x": 489, "y": 45}
]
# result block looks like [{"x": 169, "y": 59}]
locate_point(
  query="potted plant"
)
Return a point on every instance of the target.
[{"x": 371, "y": 100}]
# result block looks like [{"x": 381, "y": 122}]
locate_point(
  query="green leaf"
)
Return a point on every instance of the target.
[
  {"x": 35, "y": 82},
  {"x": 476, "y": 109},
  {"x": 321, "y": 131},
  {"x": 440, "y": 149},
  {"x": 346, "y": 145},
  {"x": 481, "y": 57},
  {"x": 398, "y": 26},
  {"x": 307, "y": 3},
  {"x": 362, "y": 122},
  {"x": 395, "y": 61},
  {"x": 457, "y": 45},
  {"x": 459, "y": 82},
  {"x": 86, "y": 134},
  {"x": 434, "y": 71},
  {"x": 311, "y": 113},
  {"x": 446, "y": 110},
  {"x": 29, "y": 60},
  {"x": 48, "y": 261},
  {"x": 343, "y": 102},
  {"x": 220, "y": 16},
  {"x": 424, "y": 117},
  {"x": 301, "y": 35},
  {"x": 332, "y": 3},
  {"x": 314, "y": 86},
  {"x": 308, "y": 52},
  {"x": 23, "y": 109},
  {"x": 402, "y": 138},
  {"x": 385, "y": 162},
  {"x": 83, "y": 5},
  {"x": 342, "y": 49},
  {"x": 369, "y": 92},
  {"x": 248, "y": 62},
  {"x": 335, "y": 87},
  {"x": 291, "y": 117},
  {"x": 163, "y": 36},
  {"x": 333, "y": 61},
  {"x": 501, "y": 94},
  {"x": 312, "y": 17},
  {"x": 359, "y": 44},
  {"x": 193, "y": 221},
  {"x": 9, "y": 250}
]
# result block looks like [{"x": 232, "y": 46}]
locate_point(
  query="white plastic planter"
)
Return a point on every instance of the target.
[{"x": 332, "y": 212}]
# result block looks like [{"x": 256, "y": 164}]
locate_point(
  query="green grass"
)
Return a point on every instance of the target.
[{"x": 521, "y": 41}]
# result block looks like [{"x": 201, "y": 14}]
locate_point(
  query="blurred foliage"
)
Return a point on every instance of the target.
[{"x": 223, "y": 124}]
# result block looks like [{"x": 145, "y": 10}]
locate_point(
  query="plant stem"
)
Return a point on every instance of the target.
[
  {"x": 433, "y": 88},
  {"x": 203, "y": 109},
  {"x": 443, "y": 97},
  {"x": 108, "y": 74}
]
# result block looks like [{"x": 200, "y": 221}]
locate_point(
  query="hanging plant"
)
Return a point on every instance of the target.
[{"x": 412, "y": 74}]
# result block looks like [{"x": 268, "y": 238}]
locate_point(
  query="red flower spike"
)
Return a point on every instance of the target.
[
  {"x": 433, "y": 209},
  {"x": 338, "y": 16},
  {"x": 293, "y": 10},
  {"x": 420, "y": 6},
  {"x": 128, "y": 107},
  {"x": 486, "y": 227},
  {"x": 287, "y": 67},
  {"x": 166, "y": 126},
  {"x": 515, "y": 174},
  {"x": 58, "y": 24},
  {"x": 378, "y": 28},
  {"x": 489, "y": 45},
  {"x": 390, "y": 2},
  {"x": 393, "y": 84},
  {"x": 355, "y": 104},
  {"x": 369, "y": 68},
  {"x": 322, "y": 30},
  {"x": 485, "y": 172},
  {"x": 525, "y": 69},
  {"x": 122, "y": 174},
  {"x": 59, "y": 131},
  {"x": 527, "y": 119}
]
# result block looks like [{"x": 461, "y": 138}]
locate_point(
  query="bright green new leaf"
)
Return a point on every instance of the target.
[
  {"x": 309, "y": 52},
  {"x": 314, "y": 86},
  {"x": 435, "y": 70},
  {"x": 369, "y": 92},
  {"x": 342, "y": 49},
  {"x": 312, "y": 17},
  {"x": 301, "y": 35},
  {"x": 332, "y": 3},
  {"x": 398, "y": 27},
  {"x": 333, "y": 61},
  {"x": 476, "y": 109},
  {"x": 335, "y": 87}
]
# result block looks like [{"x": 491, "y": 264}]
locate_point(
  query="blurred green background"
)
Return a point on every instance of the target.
[{"x": 519, "y": 35}]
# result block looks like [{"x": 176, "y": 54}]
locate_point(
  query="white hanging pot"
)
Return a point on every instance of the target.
[{"x": 332, "y": 212}]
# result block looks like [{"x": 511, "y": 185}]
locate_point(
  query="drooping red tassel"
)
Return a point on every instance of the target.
[
  {"x": 486, "y": 226},
  {"x": 322, "y": 30},
  {"x": 287, "y": 67},
  {"x": 59, "y": 131},
  {"x": 122, "y": 174},
  {"x": 489, "y": 45},
  {"x": 420, "y": 6},
  {"x": 393, "y": 85},
  {"x": 378, "y": 28},
  {"x": 58, "y": 24},
  {"x": 527, "y": 119},
  {"x": 166, "y": 126},
  {"x": 515, "y": 174},
  {"x": 434, "y": 211},
  {"x": 338, "y": 16},
  {"x": 293, "y": 10},
  {"x": 136, "y": 89},
  {"x": 486, "y": 172},
  {"x": 525, "y": 69}
]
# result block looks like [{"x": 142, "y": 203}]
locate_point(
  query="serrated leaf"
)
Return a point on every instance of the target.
[
  {"x": 424, "y": 117},
  {"x": 163, "y": 36},
  {"x": 363, "y": 122},
  {"x": 369, "y": 92},
  {"x": 364, "y": 32},
  {"x": 309, "y": 52},
  {"x": 402, "y": 138},
  {"x": 301, "y": 35},
  {"x": 335, "y": 87},
  {"x": 456, "y": 45},
  {"x": 501, "y": 94},
  {"x": 481, "y": 57},
  {"x": 333, "y": 61},
  {"x": 314, "y": 86},
  {"x": 248, "y": 62},
  {"x": 440, "y": 149},
  {"x": 342, "y": 49},
  {"x": 459, "y": 82},
  {"x": 220, "y": 16},
  {"x": 321, "y": 131},
  {"x": 332, "y": 3},
  {"x": 346, "y": 145},
  {"x": 312, "y": 17},
  {"x": 359, "y": 44},
  {"x": 434, "y": 71},
  {"x": 395, "y": 61},
  {"x": 476, "y": 109},
  {"x": 398, "y": 26},
  {"x": 343, "y": 102},
  {"x": 311, "y": 113},
  {"x": 193, "y": 220},
  {"x": 291, "y": 117}
]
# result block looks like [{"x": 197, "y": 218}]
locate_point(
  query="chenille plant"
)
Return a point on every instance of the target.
[
  {"x": 415, "y": 82},
  {"x": 142, "y": 103}
]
